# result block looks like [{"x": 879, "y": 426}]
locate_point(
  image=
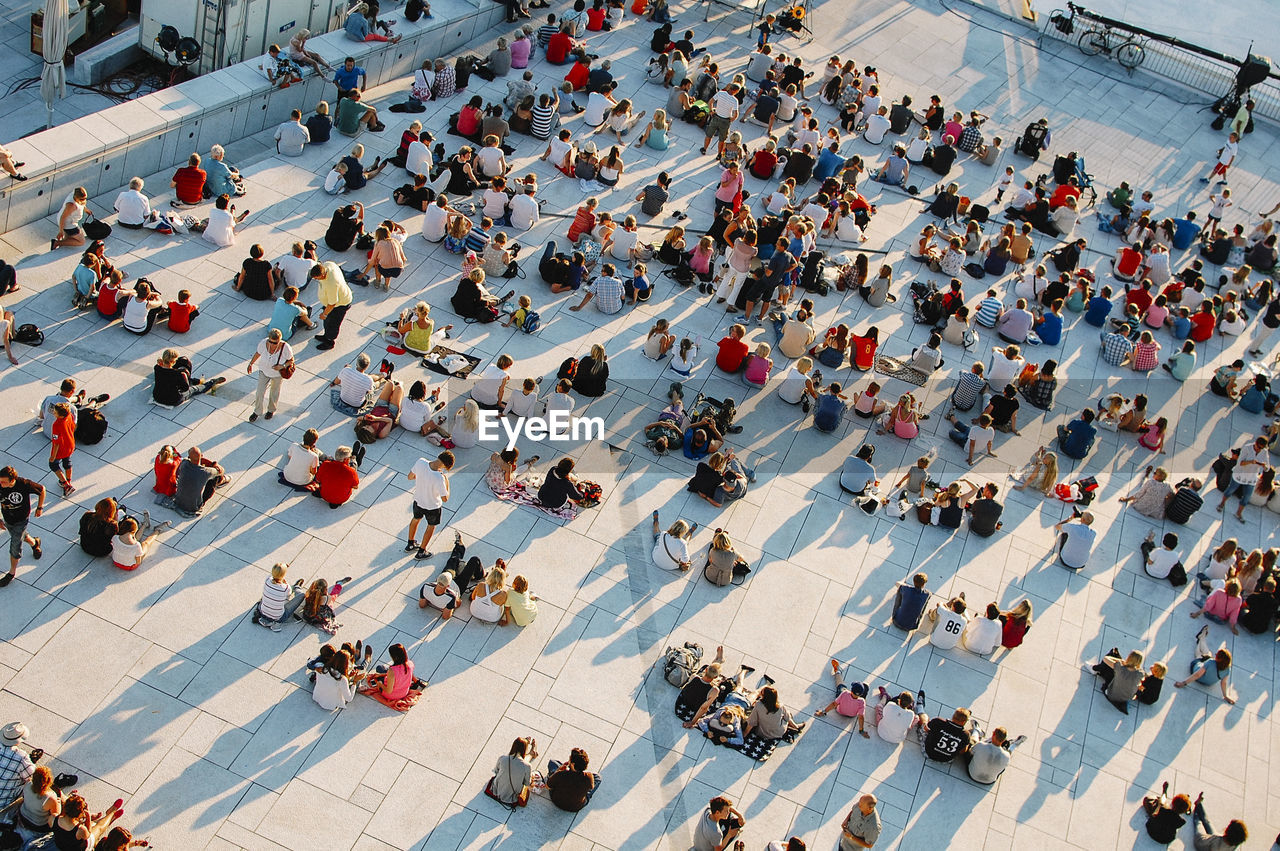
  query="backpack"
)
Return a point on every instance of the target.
[
  {"x": 365, "y": 242},
  {"x": 91, "y": 427},
  {"x": 591, "y": 494},
  {"x": 568, "y": 370},
  {"x": 682, "y": 274},
  {"x": 811, "y": 272},
  {"x": 28, "y": 335},
  {"x": 680, "y": 663},
  {"x": 978, "y": 213},
  {"x": 532, "y": 322},
  {"x": 697, "y": 113},
  {"x": 705, "y": 88}
]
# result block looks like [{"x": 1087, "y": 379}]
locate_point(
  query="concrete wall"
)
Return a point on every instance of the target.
[{"x": 157, "y": 131}]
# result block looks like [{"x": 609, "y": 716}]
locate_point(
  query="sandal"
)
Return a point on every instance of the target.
[{"x": 36, "y": 550}]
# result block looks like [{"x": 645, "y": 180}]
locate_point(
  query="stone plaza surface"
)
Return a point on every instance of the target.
[{"x": 156, "y": 687}]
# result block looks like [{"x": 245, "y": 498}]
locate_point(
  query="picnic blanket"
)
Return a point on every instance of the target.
[
  {"x": 403, "y": 704},
  {"x": 894, "y": 368},
  {"x": 431, "y": 362},
  {"x": 524, "y": 491},
  {"x": 753, "y": 745}
]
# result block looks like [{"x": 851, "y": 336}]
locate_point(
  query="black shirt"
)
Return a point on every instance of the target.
[
  {"x": 319, "y": 126},
  {"x": 556, "y": 490},
  {"x": 1164, "y": 826},
  {"x": 685, "y": 47},
  {"x": 946, "y": 740},
  {"x": 569, "y": 789},
  {"x": 342, "y": 231},
  {"x": 696, "y": 692},
  {"x": 799, "y": 165},
  {"x": 1259, "y": 609},
  {"x": 984, "y": 514},
  {"x": 590, "y": 381},
  {"x": 949, "y": 516},
  {"x": 257, "y": 279},
  {"x": 96, "y": 534},
  {"x": 792, "y": 76},
  {"x": 766, "y": 108},
  {"x": 171, "y": 385},
  {"x": 192, "y": 479},
  {"x": 15, "y": 501},
  {"x": 654, "y": 197},
  {"x": 1002, "y": 409},
  {"x": 900, "y": 118},
  {"x": 705, "y": 480},
  {"x": 1149, "y": 689},
  {"x": 1184, "y": 504}
]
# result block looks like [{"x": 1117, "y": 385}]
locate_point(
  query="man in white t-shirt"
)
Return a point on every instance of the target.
[
  {"x": 1075, "y": 541},
  {"x": 877, "y": 126},
  {"x": 436, "y": 219},
  {"x": 977, "y": 438},
  {"x": 625, "y": 240},
  {"x": 524, "y": 209},
  {"x": 278, "y": 70},
  {"x": 894, "y": 720},
  {"x": 295, "y": 267},
  {"x": 351, "y": 389},
  {"x": 489, "y": 388},
  {"x": 1159, "y": 563},
  {"x": 983, "y": 635},
  {"x": 598, "y": 105},
  {"x": 417, "y": 159},
  {"x": 430, "y": 493},
  {"x": 302, "y": 462},
  {"x": 559, "y": 399},
  {"x": 1244, "y": 477},
  {"x": 948, "y": 623},
  {"x": 814, "y": 211},
  {"x": 291, "y": 137}
]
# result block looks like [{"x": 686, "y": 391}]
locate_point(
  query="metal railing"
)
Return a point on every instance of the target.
[{"x": 1204, "y": 71}]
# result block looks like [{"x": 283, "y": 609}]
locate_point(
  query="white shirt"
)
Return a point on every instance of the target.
[
  {"x": 135, "y": 314},
  {"x": 1162, "y": 561},
  {"x": 669, "y": 551},
  {"x": 877, "y": 126},
  {"x": 495, "y": 203},
  {"x": 559, "y": 150},
  {"x": 1248, "y": 475},
  {"x": 354, "y": 386},
  {"x": 418, "y": 158},
  {"x": 524, "y": 211},
  {"x": 487, "y": 384},
  {"x": 429, "y": 486},
  {"x": 433, "y": 223},
  {"x": 560, "y": 402},
  {"x": 847, "y": 230},
  {"x": 413, "y": 414},
  {"x": 126, "y": 554},
  {"x": 916, "y": 149},
  {"x": 980, "y": 437},
  {"x": 946, "y": 633},
  {"x": 490, "y": 160},
  {"x": 623, "y": 242},
  {"x": 787, "y": 105},
  {"x": 291, "y": 137},
  {"x": 297, "y": 469},
  {"x": 332, "y": 693},
  {"x": 336, "y": 184},
  {"x": 895, "y": 723},
  {"x": 132, "y": 207},
  {"x": 267, "y": 362},
  {"x": 522, "y": 404},
  {"x": 1003, "y": 371},
  {"x": 597, "y": 106},
  {"x": 724, "y": 104},
  {"x": 49, "y": 402},
  {"x": 297, "y": 270},
  {"x": 221, "y": 230},
  {"x": 815, "y": 212},
  {"x": 268, "y": 65},
  {"x": 791, "y": 388},
  {"x": 1229, "y": 151},
  {"x": 982, "y": 636}
]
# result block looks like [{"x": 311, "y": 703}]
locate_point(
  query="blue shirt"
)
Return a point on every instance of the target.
[
  {"x": 357, "y": 27},
  {"x": 347, "y": 80},
  {"x": 477, "y": 240},
  {"x": 1049, "y": 329},
  {"x": 692, "y": 452},
  {"x": 1096, "y": 310},
  {"x": 1184, "y": 233},
  {"x": 908, "y": 606},
  {"x": 829, "y": 411},
  {"x": 84, "y": 278},
  {"x": 829, "y": 163},
  {"x": 218, "y": 178},
  {"x": 779, "y": 263},
  {"x": 1079, "y": 439},
  {"x": 355, "y": 173},
  {"x": 1181, "y": 327},
  {"x": 283, "y": 316}
]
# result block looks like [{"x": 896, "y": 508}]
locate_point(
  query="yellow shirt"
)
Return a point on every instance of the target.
[{"x": 334, "y": 291}]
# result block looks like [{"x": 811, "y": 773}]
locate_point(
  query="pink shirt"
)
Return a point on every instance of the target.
[
  {"x": 520, "y": 49},
  {"x": 757, "y": 371},
  {"x": 1222, "y": 606},
  {"x": 404, "y": 679},
  {"x": 730, "y": 186}
]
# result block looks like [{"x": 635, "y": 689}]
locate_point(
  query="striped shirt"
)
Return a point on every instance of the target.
[
  {"x": 988, "y": 310},
  {"x": 477, "y": 240},
  {"x": 543, "y": 117},
  {"x": 274, "y": 596},
  {"x": 545, "y": 32}
]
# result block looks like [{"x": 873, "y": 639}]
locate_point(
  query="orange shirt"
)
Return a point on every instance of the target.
[{"x": 64, "y": 437}]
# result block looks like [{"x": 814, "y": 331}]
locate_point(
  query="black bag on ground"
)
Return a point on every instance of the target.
[
  {"x": 811, "y": 272},
  {"x": 91, "y": 426},
  {"x": 94, "y": 229},
  {"x": 28, "y": 335},
  {"x": 978, "y": 213}
]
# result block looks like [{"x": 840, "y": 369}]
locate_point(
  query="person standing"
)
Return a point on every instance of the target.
[
  {"x": 62, "y": 446},
  {"x": 861, "y": 828},
  {"x": 15, "y": 513},
  {"x": 277, "y": 359},
  {"x": 335, "y": 299},
  {"x": 430, "y": 493},
  {"x": 1226, "y": 156},
  {"x": 1252, "y": 461}
]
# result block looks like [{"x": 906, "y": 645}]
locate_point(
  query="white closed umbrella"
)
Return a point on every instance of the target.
[{"x": 53, "y": 79}]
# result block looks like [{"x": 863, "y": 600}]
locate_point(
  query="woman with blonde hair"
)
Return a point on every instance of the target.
[
  {"x": 592, "y": 374},
  {"x": 1016, "y": 623},
  {"x": 521, "y": 606},
  {"x": 489, "y": 598},
  {"x": 658, "y": 342},
  {"x": 656, "y": 134},
  {"x": 465, "y": 429},
  {"x": 416, "y": 328},
  {"x": 1042, "y": 472},
  {"x": 723, "y": 560},
  {"x": 387, "y": 259},
  {"x": 671, "y": 548},
  {"x": 298, "y": 53}
]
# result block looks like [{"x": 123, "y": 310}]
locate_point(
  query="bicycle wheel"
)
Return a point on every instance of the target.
[
  {"x": 1092, "y": 42},
  {"x": 1130, "y": 54}
]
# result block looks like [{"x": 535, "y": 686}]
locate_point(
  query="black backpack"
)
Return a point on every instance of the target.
[
  {"x": 28, "y": 335},
  {"x": 811, "y": 272},
  {"x": 91, "y": 426},
  {"x": 979, "y": 213},
  {"x": 568, "y": 370}
]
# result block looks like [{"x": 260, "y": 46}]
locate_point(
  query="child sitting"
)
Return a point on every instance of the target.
[
  {"x": 524, "y": 304},
  {"x": 524, "y": 403}
]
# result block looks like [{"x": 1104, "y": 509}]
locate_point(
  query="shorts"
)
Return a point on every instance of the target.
[
  {"x": 64, "y": 463},
  {"x": 17, "y": 531},
  {"x": 389, "y": 273},
  {"x": 866, "y": 415},
  {"x": 71, "y": 231},
  {"x": 757, "y": 291},
  {"x": 431, "y": 515},
  {"x": 1238, "y": 490},
  {"x": 718, "y": 126}
]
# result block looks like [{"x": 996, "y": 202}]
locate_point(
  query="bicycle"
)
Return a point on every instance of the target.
[{"x": 1126, "y": 49}]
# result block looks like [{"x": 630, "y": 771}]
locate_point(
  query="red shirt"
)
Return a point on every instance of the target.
[
  {"x": 189, "y": 185},
  {"x": 64, "y": 437},
  {"x": 166, "y": 476},
  {"x": 577, "y": 76},
  {"x": 595, "y": 19},
  {"x": 558, "y": 47},
  {"x": 763, "y": 163},
  {"x": 107, "y": 300},
  {"x": 468, "y": 121},
  {"x": 1012, "y": 633},
  {"x": 1202, "y": 325},
  {"x": 1061, "y": 194},
  {"x": 337, "y": 480},
  {"x": 732, "y": 354},
  {"x": 864, "y": 351},
  {"x": 1140, "y": 297},
  {"x": 180, "y": 316},
  {"x": 583, "y": 222},
  {"x": 1129, "y": 262}
]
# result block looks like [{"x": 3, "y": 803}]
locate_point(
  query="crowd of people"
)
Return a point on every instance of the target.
[{"x": 1171, "y": 280}]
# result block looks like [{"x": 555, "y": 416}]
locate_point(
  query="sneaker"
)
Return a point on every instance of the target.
[
  {"x": 421, "y": 554},
  {"x": 357, "y": 452},
  {"x": 1018, "y": 741},
  {"x": 410, "y": 547},
  {"x": 253, "y": 418},
  {"x": 1203, "y": 633},
  {"x": 101, "y": 398}
]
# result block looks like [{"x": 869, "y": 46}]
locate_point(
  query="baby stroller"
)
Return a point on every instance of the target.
[{"x": 1034, "y": 140}]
